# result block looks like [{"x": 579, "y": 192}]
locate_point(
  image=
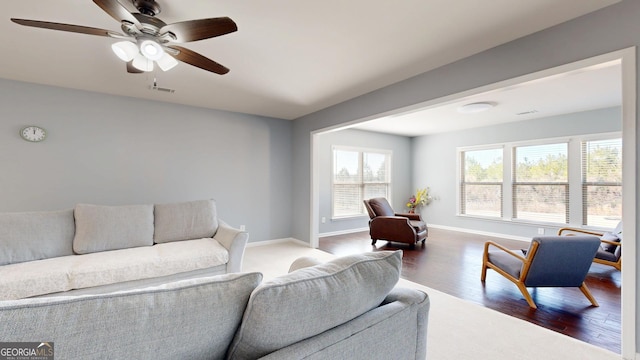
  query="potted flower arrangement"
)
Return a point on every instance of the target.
[{"x": 421, "y": 198}]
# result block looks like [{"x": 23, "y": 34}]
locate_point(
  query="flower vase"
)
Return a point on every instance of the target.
[{"x": 412, "y": 210}]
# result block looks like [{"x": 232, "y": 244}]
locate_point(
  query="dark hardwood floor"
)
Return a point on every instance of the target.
[{"x": 451, "y": 262}]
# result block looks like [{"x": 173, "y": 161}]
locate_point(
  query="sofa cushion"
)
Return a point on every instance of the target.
[
  {"x": 101, "y": 228},
  {"x": 189, "y": 319},
  {"x": 108, "y": 267},
  {"x": 27, "y": 236},
  {"x": 311, "y": 300},
  {"x": 185, "y": 221}
]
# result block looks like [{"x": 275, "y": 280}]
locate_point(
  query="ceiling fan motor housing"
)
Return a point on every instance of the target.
[{"x": 147, "y": 7}]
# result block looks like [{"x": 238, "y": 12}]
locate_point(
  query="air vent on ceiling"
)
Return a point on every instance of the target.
[
  {"x": 167, "y": 90},
  {"x": 527, "y": 112},
  {"x": 157, "y": 88}
]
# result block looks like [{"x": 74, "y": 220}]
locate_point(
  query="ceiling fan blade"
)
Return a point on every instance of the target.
[
  {"x": 65, "y": 27},
  {"x": 132, "y": 69},
  {"x": 117, "y": 11},
  {"x": 194, "y": 30},
  {"x": 197, "y": 60}
]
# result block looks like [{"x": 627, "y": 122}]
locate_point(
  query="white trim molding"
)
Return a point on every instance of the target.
[
  {"x": 483, "y": 233},
  {"x": 278, "y": 241},
  {"x": 342, "y": 232}
]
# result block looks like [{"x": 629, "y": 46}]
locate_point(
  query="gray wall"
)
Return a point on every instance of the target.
[
  {"x": 435, "y": 158},
  {"x": 613, "y": 28},
  {"x": 112, "y": 150},
  {"x": 400, "y": 147}
]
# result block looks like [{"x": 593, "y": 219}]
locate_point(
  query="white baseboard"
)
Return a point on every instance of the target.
[
  {"x": 443, "y": 227},
  {"x": 484, "y": 233},
  {"x": 342, "y": 232},
  {"x": 277, "y": 241}
]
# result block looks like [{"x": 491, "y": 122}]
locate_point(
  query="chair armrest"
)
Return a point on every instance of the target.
[
  {"x": 614, "y": 243},
  {"x": 410, "y": 216},
  {"x": 395, "y": 228},
  {"x": 391, "y": 219},
  {"x": 235, "y": 241},
  {"x": 581, "y": 231},
  {"x": 500, "y": 247}
]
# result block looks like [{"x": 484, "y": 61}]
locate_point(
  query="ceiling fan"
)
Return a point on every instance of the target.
[{"x": 147, "y": 39}]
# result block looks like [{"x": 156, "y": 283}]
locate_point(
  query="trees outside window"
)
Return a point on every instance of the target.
[
  {"x": 481, "y": 186},
  {"x": 566, "y": 181},
  {"x": 602, "y": 182},
  {"x": 541, "y": 183},
  {"x": 358, "y": 174}
]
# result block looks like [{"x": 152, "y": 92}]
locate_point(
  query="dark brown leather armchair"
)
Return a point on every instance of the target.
[{"x": 385, "y": 224}]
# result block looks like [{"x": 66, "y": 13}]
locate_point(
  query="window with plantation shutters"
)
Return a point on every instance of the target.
[
  {"x": 602, "y": 182},
  {"x": 481, "y": 185},
  {"x": 357, "y": 175},
  {"x": 541, "y": 183}
]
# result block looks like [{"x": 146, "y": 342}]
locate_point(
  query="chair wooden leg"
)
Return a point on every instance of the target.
[
  {"x": 585, "y": 290},
  {"x": 527, "y": 296},
  {"x": 483, "y": 274},
  {"x": 373, "y": 241}
]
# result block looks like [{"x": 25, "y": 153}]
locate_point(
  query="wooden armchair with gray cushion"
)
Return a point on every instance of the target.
[
  {"x": 386, "y": 224},
  {"x": 550, "y": 261},
  {"x": 610, "y": 251}
]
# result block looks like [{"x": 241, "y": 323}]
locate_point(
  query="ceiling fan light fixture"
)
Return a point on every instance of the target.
[
  {"x": 151, "y": 49},
  {"x": 166, "y": 62},
  {"x": 475, "y": 107},
  {"x": 125, "y": 50},
  {"x": 142, "y": 63}
]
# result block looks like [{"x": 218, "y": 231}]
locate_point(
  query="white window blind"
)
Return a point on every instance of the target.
[
  {"x": 541, "y": 183},
  {"x": 358, "y": 175},
  {"x": 481, "y": 185},
  {"x": 602, "y": 182}
]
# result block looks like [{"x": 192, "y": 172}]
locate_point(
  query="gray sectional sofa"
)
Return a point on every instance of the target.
[
  {"x": 93, "y": 248},
  {"x": 348, "y": 308}
]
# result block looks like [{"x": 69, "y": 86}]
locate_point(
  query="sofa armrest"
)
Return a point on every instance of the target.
[
  {"x": 235, "y": 242},
  {"x": 401, "y": 319}
]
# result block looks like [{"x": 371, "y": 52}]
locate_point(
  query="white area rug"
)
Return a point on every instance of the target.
[{"x": 458, "y": 330}]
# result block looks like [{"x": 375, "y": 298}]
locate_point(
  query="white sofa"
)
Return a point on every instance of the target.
[{"x": 93, "y": 248}]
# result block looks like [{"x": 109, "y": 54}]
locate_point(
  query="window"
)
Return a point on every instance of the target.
[
  {"x": 357, "y": 175},
  {"x": 574, "y": 180},
  {"x": 481, "y": 185},
  {"x": 602, "y": 182},
  {"x": 541, "y": 183}
]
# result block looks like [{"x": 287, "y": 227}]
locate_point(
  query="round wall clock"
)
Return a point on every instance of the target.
[{"x": 33, "y": 133}]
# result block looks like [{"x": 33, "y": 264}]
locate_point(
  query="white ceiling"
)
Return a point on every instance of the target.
[
  {"x": 289, "y": 58},
  {"x": 590, "y": 88}
]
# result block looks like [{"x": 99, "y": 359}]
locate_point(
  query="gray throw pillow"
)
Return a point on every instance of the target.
[
  {"x": 185, "y": 221},
  {"x": 609, "y": 237},
  {"x": 28, "y": 236},
  {"x": 309, "y": 301},
  {"x": 102, "y": 228}
]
